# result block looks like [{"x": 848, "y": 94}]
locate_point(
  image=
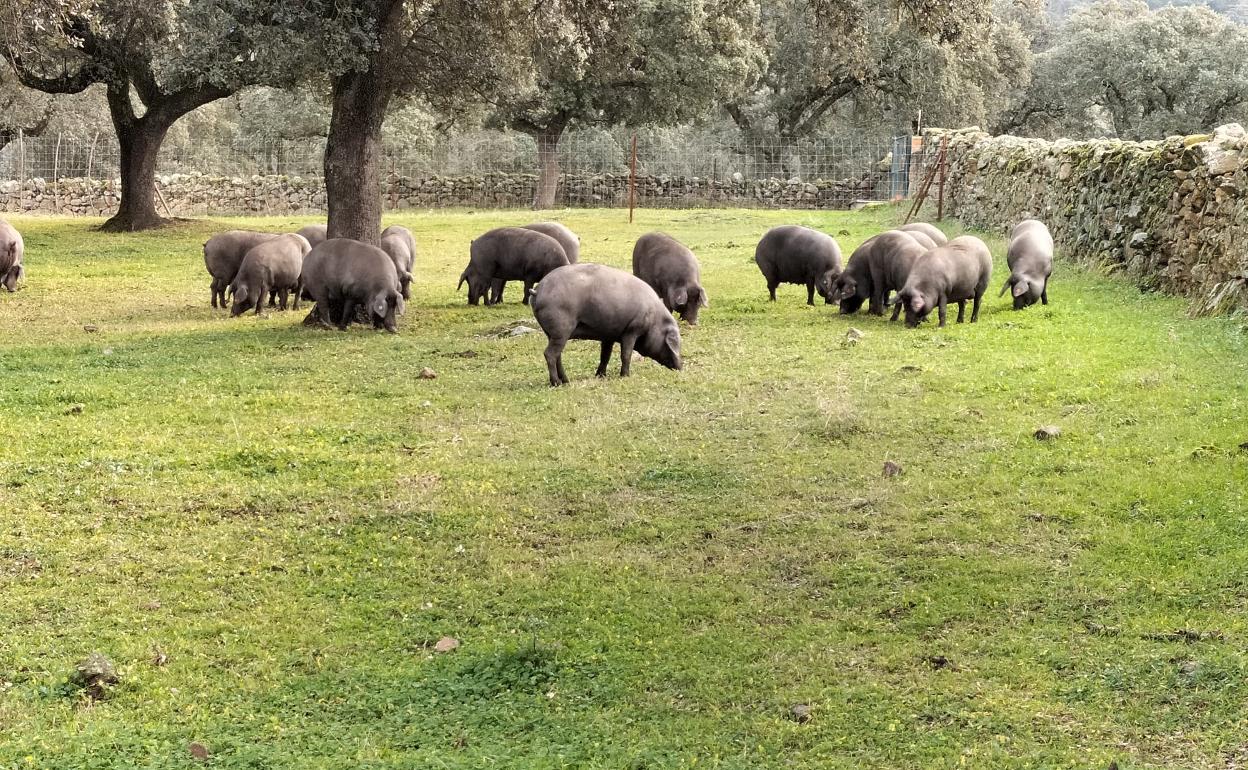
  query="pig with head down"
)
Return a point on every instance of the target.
[
  {"x": 879, "y": 266},
  {"x": 343, "y": 275},
  {"x": 1030, "y": 257},
  {"x": 671, "y": 269},
  {"x": 956, "y": 272},
  {"x": 596, "y": 302},
  {"x": 223, "y": 255},
  {"x": 794, "y": 254},
  {"x": 397, "y": 241},
  {"x": 275, "y": 265},
  {"x": 509, "y": 254},
  {"x": 12, "y": 248}
]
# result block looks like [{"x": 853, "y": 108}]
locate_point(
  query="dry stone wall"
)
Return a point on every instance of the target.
[
  {"x": 1172, "y": 214},
  {"x": 189, "y": 194}
]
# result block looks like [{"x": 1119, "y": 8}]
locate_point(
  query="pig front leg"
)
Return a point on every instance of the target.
[
  {"x": 961, "y": 310},
  {"x": 528, "y": 287},
  {"x": 941, "y": 309},
  {"x": 298, "y": 293},
  {"x": 878, "y": 301},
  {"x": 896, "y": 312},
  {"x": 272, "y": 299},
  {"x": 260, "y": 301},
  {"x": 810, "y": 293},
  {"x": 626, "y": 353},
  {"x": 554, "y": 363},
  {"x": 605, "y": 358}
]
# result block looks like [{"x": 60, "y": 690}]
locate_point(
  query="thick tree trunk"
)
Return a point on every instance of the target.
[
  {"x": 548, "y": 165},
  {"x": 353, "y": 157},
  {"x": 140, "y": 146}
]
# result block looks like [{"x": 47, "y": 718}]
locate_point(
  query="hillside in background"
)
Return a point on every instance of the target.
[{"x": 1235, "y": 9}]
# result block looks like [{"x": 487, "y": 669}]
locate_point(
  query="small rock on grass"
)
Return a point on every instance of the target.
[
  {"x": 800, "y": 713},
  {"x": 428, "y": 374},
  {"x": 891, "y": 469},
  {"x": 90, "y": 328},
  {"x": 1047, "y": 432},
  {"x": 75, "y": 408},
  {"x": 446, "y": 644},
  {"x": 198, "y": 751},
  {"x": 95, "y": 674}
]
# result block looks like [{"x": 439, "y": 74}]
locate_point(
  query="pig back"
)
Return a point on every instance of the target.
[
  {"x": 792, "y": 253},
  {"x": 661, "y": 260},
  {"x": 569, "y": 241},
  {"x": 594, "y": 297}
]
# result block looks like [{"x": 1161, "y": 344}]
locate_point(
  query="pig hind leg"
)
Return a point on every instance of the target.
[
  {"x": 975, "y": 309},
  {"x": 1044, "y": 293},
  {"x": 528, "y": 288},
  {"x": 810, "y": 292},
  {"x": 961, "y": 310},
  {"x": 554, "y": 362}
]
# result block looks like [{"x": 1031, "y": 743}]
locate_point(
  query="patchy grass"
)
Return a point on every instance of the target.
[{"x": 643, "y": 573}]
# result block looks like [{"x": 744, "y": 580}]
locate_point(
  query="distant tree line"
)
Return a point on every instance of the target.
[{"x": 767, "y": 72}]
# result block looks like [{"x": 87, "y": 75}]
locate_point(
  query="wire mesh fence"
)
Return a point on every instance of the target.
[{"x": 75, "y": 174}]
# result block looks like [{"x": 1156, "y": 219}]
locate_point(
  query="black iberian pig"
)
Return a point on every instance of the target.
[
  {"x": 223, "y": 254},
  {"x": 1030, "y": 257},
  {"x": 596, "y": 302},
  {"x": 509, "y": 254},
  {"x": 794, "y": 254},
  {"x": 397, "y": 241},
  {"x": 879, "y": 266},
  {"x": 343, "y": 275},
  {"x": 12, "y": 249},
  {"x": 273, "y": 266},
  {"x": 956, "y": 272},
  {"x": 671, "y": 269}
]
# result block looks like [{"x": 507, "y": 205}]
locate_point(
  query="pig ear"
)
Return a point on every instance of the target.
[
  {"x": 240, "y": 292},
  {"x": 916, "y": 303},
  {"x": 1020, "y": 288},
  {"x": 895, "y": 300},
  {"x": 704, "y": 298}
]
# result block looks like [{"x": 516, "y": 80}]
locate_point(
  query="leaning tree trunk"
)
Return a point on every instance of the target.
[
  {"x": 548, "y": 166},
  {"x": 139, "y": 148},
  {"x": 353, "y": 157}
]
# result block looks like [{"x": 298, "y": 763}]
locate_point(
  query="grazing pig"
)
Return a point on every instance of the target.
[
  {"x": 401, "y": 246},
  {"x": 877, "y": 267},
  {"x": 672, "y": 271},
  {"x": 793, "y": 254},
  {"x": 1030, "y": 257},
  {"x": 956, "y": 272},
  {"x": 12, "y": 248},
  {"x": 596, "y": 302},
  {"x": 223, "y": 254},
  {"x": 315, "y": 234},
  {"x": 509, "y": 254},
  {"x": 570, "y": 241},
  {"x": 272, "y": 266},
  {"x": 343, "y": 275},
  {"x": 937, "y": 237}
]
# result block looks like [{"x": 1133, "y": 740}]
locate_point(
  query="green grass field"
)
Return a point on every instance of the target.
[{"x": 642, "y": 573}]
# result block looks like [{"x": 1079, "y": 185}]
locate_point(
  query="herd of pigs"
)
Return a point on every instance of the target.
[{"x": 353, "y": 281}]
